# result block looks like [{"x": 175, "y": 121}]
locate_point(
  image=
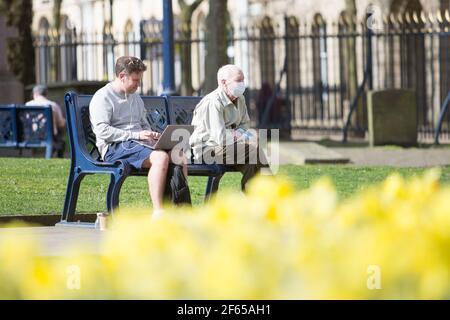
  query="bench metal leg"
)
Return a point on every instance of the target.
[
  {"x": 48, "y": 151},
  {"x": 212, "y": 186},
  {"x": 109, "y": 192},
  {"x": 72, "y": 191},
  {"x": 115, "y": 184},
  {"x": 68, "y": 195}
]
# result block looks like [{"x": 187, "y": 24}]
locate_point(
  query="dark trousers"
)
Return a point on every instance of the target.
[
  {"x": 59, "y": 145},
  {"x": 246, "y": 158}
]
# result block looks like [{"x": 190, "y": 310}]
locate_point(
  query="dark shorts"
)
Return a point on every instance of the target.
[{"x": 129, "y": 151}]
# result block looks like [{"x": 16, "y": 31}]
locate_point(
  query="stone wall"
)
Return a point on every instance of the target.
[{"x": 392, "y": 117}]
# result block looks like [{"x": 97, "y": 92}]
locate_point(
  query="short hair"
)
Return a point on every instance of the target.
[
  {"x": 129, "y": 65},
  {"x": 226, "y": 72},
  {"x": 40, "y": 89}
]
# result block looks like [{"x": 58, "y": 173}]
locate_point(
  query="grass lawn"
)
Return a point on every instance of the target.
[{"x": 37, "y": 186}]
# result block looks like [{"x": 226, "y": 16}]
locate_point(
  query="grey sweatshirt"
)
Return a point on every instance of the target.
[{"x": 116, "y": 117}]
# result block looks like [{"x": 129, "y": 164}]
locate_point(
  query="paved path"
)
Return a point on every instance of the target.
[
  {"x": 308, "y": 153},
  {"x": 312, "y": 153},
  {"x": 407, "y": 157},
  {"x": 56, "y": 240}
]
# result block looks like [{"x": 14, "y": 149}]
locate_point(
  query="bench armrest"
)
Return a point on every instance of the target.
[{"x": 107, "y": 164}]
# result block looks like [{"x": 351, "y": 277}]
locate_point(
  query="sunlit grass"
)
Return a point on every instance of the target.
[{"x": 37, "y": 186}]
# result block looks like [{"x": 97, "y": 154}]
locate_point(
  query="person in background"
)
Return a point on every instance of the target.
[{"x": 59, "y": 122}]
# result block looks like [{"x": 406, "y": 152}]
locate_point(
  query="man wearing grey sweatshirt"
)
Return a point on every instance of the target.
[{"x": 118, "y": 119}]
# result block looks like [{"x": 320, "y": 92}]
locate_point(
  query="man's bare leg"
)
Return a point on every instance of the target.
[
  {"x": 179, "y": 159},
  {"x": 158, "y": 164}
]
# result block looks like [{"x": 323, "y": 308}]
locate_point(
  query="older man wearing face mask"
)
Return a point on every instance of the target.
[{"x": 221, "y": 121}]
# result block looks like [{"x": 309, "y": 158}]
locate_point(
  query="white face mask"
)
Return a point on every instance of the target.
[{"x": 237, "y": 89}]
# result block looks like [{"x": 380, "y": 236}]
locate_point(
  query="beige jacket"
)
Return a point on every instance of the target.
[{"x": 215, "y": 117}]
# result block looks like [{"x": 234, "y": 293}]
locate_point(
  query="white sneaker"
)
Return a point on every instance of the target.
[
  {"x": 266, "y": 171},
  {"x": 157, "y": 214}
]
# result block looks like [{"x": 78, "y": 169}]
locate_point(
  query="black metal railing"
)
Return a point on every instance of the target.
[{"x": 310, "y": 76}]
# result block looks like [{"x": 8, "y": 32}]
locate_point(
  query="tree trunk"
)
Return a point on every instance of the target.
[
  {"x": 186, "y": 47},
  {"x": 56, "y": 25},
  {"x": 19, "y": 14},
  {"x": 351, "y": 49},
  {"x": 216, "y": 42},
  {"x": 351, "y": 61}
]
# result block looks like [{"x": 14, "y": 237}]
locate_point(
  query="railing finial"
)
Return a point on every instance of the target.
[
  {"x": 447, "y": 15},
  {"x": 415, "y": 17},
  {"x": 439, "y": 17},
  {"x": 423, "y": 17}
]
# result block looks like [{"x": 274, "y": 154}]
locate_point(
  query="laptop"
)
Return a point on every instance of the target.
[{"x": 170, "y": 137}]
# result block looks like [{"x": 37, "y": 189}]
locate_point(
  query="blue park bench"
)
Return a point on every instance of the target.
[
  {"x": 26, "y": 127},
  {"x": 86, "y": 160}
]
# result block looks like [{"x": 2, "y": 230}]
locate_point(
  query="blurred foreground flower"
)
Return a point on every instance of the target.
[{"x": 391, "y": 241}]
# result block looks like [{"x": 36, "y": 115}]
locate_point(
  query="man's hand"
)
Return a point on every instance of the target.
[
  {"x": 238, "y": 134},
  {"x": 149, "y": 135},
  {"x": 245, "y": 136}
]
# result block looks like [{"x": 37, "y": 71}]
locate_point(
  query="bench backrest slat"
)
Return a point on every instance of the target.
[
  {"x": 26, "y": 126},
  {"x": 8, "y": 126},
  {"x": 35, "y": 125},
  {"x": 83, "y": 136},
  {"x": 157, "y": 115},
  {"x": 181, "y": 109}
]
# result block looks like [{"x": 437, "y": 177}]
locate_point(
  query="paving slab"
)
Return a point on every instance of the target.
[
  {"x": 401, "y": 157},
  {"x": 300, "y": 153},
  {"x": 56, "y": 241}
]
